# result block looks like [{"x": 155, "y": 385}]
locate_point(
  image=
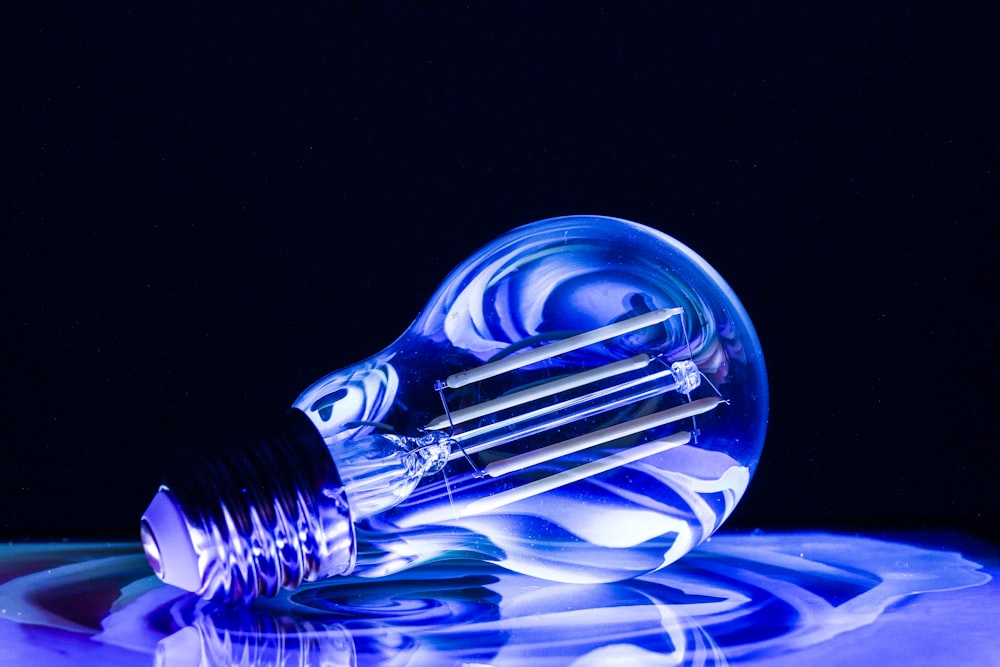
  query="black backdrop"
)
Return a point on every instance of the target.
[{"x": 204, "y": 210}]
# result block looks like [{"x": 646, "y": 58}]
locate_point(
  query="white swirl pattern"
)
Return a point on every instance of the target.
[
  {"x": 773, "y": 600},
  {"x": 550, "y": 280}
]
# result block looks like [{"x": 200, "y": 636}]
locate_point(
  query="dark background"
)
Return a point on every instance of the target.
[{"x": 204, "y": 210}]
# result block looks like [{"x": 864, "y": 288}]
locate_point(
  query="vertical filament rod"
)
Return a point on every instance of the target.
[
  {"x": 539, "y": 391},
  {"x": 544, "y": 352},
  {"x": 523, "y": 427},
  {"x": 587, "y": 440},
  {"x": 616, "y": 460}
]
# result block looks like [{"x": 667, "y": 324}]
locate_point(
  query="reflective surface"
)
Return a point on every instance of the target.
[{"x": 767, "y": 599}]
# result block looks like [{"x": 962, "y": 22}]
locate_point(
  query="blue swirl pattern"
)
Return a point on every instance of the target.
[
  {"x": 769, "y": 599},
  {"x": 541, "y": 283}
]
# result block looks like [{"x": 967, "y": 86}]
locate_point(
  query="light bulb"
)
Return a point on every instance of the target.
[{"x": 577, "y": 394}]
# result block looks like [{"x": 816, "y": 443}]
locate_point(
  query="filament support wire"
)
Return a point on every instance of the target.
[{"x": 682, "y": 377}]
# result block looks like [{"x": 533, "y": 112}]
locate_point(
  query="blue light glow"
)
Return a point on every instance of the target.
[
  {"x": 760, "y": 599},
  {"x": 545, "y": 283},
  {"x": 584, "y": 399}
]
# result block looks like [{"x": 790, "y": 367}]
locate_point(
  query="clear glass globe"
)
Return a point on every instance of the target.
[{"x": 574, "y": 393}]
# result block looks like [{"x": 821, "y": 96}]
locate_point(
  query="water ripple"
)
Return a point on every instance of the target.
[{"x": 739, "y": 599}]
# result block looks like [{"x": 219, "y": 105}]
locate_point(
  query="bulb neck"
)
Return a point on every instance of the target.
[{"x": 253, "y": 519}]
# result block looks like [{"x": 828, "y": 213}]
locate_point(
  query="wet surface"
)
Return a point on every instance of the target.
[{"x": 761, "y": 599}]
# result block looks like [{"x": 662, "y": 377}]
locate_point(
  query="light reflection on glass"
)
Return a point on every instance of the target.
[{"x": 739, "y": 599}]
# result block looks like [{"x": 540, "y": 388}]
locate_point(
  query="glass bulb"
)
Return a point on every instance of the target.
[{"x": 573, "y": 393}]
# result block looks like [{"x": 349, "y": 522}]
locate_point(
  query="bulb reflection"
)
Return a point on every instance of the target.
[
  {"x": 479, "y": 618},
  {"x": 784, "y": 599}
]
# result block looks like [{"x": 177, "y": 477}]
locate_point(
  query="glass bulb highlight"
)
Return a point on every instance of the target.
[{"x": 573, "y": 393}]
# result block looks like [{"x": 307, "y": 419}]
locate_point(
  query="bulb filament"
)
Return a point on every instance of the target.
[{"x": 680, "y": 376}]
